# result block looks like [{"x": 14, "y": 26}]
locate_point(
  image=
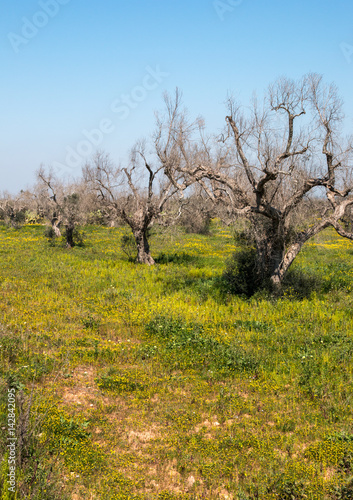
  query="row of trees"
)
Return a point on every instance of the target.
[{"x": 276, "y": 161}]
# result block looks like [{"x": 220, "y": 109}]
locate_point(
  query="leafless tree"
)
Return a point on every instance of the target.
[
  {"x": 136, "y": 194},
  {"x": 197, "y": 212},
  {"x": 271, "y": 161},
  {"x": 62, "y": 204},
  {"x": 13, "y": 208}
]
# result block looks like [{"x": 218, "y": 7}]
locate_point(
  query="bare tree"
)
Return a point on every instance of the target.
[
  {"x": 62, "y": 204},
  {"x": 197, "y": 212},
  {"x": 13, "y": 208},
  {"x": 271, "y": 161},
  {"x": 136, "y": 194}
]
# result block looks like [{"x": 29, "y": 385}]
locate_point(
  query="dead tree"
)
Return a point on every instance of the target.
[
  {"x": 13, "y": 208},
  {"x": 61, "y": 204},
  {"x": 136, "y": 194},
  {"x": 271, "y": 160}
]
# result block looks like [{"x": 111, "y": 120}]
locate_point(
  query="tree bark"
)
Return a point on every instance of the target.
[
  {"x": 270, "y": 246},
  {"x": 281, "y": 270},
  {"x": 70, "y": 236},
  {"x": 57, "y": 231},
  {"x": 55, "y": 226},
  {"x": 291, "y": 253},
  {"x": 143, "y": 248}
]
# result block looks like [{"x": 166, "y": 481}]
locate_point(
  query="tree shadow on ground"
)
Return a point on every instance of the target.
[{"x": 176, "y": 258}]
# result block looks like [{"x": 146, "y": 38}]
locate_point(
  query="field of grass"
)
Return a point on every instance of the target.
[{"x": 152, "y": 383}]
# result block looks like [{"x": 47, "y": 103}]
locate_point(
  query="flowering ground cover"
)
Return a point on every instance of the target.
[{"x": 154, "y": 383}]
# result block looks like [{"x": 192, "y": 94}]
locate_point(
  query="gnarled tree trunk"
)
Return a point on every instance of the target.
[
  {"x": 55, "y": 224},
  {"x": 292, "y": 251},
  {"x": 143, "y": 248},
  {"x": 69, "y": 230},
  {"x": 284, "y": 264},
  {"x": 270, "y": 238}
]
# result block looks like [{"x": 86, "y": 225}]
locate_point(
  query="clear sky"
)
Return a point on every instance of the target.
[{"x": 82, "y": 74}]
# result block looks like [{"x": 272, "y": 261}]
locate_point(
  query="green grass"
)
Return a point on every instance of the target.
[{"x": 168, "y": 386}]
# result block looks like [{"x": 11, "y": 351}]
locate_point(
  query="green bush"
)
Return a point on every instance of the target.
[
  {"x": 78, "y": 236},
  {"x": 241, "y": 276},
  {"x": 32, "y": 217}
]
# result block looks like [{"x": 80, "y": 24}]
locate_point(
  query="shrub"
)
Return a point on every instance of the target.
[
  {"x": 78, "y": 236},
  {"x": 32, "y": 217},
  {"x": 241, "y": 276}
]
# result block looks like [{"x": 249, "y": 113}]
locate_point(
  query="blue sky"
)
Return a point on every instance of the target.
[{"x": 65, "y": 73}]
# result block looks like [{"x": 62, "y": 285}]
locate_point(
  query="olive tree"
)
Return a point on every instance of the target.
[
  {"x": 63, "y": 204},
  {"x": 136, "y": 194},
  {"x": 272, "y": 160},
  {"x": 13, "y": 208}
]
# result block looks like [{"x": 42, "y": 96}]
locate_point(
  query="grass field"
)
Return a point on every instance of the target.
[{"x": 152, "y": 383}]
